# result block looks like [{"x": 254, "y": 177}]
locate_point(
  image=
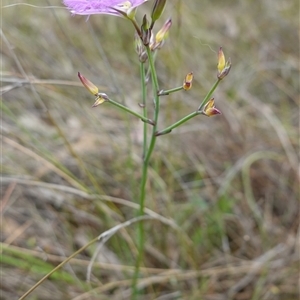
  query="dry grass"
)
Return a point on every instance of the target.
[{"x": 229, "y": 185}]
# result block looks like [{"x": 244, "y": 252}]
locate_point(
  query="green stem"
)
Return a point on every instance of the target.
[
  {"x": 208, "y": 96},
  {"x": 136, "y": 26},
  {"x": 141, "y": 234},
  {"x": 154, "y": 54},
  {"x": 167, "y": 92},
  {"x": 178, "y": 123},
  {"x": 144, "y": 119},
  {"x": 143, "y": 87}
]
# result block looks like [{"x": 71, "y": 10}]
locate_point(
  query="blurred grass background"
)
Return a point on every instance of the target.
[{"x": 229, "y": 182}]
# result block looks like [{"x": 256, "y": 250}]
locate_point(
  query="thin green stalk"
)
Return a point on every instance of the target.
[
  {"x": 145, "y": 114},
  {"x": 154, "y": 54},
  {"x": 146, "y": 120},
  {"x": 136, "y": 26},
  {"x": 178, "y": 123},
  {"x": 208, "y": 96},
  {"x": 141, "y": 233},
  {"x": 156, "y": 103},
  {"x": 168, "y": 92}
]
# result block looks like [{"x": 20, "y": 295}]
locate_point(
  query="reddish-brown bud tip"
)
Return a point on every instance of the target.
[{"x": 88, "y": 85}]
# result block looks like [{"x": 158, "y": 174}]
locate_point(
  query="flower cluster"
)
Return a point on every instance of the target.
[{"x": 145, "y": 44}]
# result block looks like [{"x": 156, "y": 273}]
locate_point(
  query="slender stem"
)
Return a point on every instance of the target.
[
  {"x": 130, "y": 111},
  {"x": 178, "y": 123},
  {"x": 143, "y": 87},
  {"x": 136, "y": 26},
  {"x": 154, "y": 54},
  {"x": 156, "y": 102},
  {"x": 208, "y": 96},
  {"x": 167, "y": 92},
  {"x": 141, "y": 235}
]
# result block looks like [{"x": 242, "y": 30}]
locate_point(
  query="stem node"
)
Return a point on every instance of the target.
[
  {"x": 149, "y": 121},
  {"x": 158, "y": 133}
]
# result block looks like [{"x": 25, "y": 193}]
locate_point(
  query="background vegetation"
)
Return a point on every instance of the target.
[{"x": 70, "y": 172}]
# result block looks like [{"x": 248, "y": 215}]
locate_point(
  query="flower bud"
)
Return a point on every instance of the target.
[
  {"x": 100, "y": 97},
  {"x": 138, "y": 44},
  {"x": 158, "y": 9},
  {"x": 140, "y": 49},
  {"x": 223, "y": 66},
  {"x": 143, "y": 57},
  {"x": 163, "y": 32},
  {"x": 88, "y": 85},
  {"x": 145, "y": 23},
  {"x": 209, "y": 109},
  {"x": 187, "y": 83},
  {"x": 221, "y": 60},
  {"x": 146, "y": 31},
  {"x": 161, "y": 35}
]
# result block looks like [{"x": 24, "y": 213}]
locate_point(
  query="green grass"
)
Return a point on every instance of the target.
[{"x": 70, "y": 172}]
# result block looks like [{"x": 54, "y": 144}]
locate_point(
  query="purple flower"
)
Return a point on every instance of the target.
[{"x": 91, "y": 7}]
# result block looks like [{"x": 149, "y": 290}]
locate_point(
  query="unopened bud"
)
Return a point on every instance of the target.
[
  {"x": 223, "y": 65},
  {"x": 210, "y": 109},
  {"x": 221, "y": 60},
  {"x": 138, "y": 44},
  {"x": 158, "y": 9},
  {"x": 143, "y": 57},
  {"x": 163, "y": 32},
  {"x": 161, "y": 35},
  {"x": 146, "y": 31},
  {"x": 88, "y": 85},
  {"x": 145, "y": 24},
  {"x": 188, "y": 80},
  {"x": 140, "y": 49}
]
